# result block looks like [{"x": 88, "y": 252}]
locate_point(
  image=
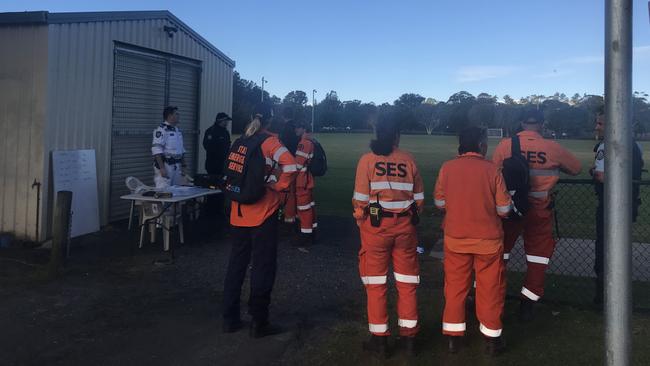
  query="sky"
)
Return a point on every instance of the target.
[{"x": 375, "y": 51}]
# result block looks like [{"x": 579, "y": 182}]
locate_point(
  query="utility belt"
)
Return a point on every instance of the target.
[
  {"x": 169, "y": 160},
  {"x": 376, "y": 213},
  {"x": 392, "y": 214},
  {"x": 172, "y": 160}
]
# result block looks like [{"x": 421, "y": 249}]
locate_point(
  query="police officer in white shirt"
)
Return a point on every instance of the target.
[
  {"x": 167, "y": 150},
  {"x": 598, "y": 174}
]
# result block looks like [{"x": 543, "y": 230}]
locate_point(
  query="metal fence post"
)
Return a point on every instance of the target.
[{"x": 618, "y": 180}]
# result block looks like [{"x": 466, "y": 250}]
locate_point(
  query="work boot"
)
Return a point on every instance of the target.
[
  {"x": 304, "y": 242},
  {"x": 377, "y": 346},
  {"x": 262, "y": 329},
  {"x": 494, "y": 346},
  {"x": 454, "y": 343},
  {"x": 526, "y": 310},
  {"x": 230, "y": 326},
  {"x": 408, "y": 345}
]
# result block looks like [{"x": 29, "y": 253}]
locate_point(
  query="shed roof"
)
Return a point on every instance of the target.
[{"x": 45, "y": 17}]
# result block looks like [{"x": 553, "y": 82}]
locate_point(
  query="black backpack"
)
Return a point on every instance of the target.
[
  {"x": 245, "y": 171},
  {"x": 318, "y": 164},
  {"x": 517, "y": 176}
]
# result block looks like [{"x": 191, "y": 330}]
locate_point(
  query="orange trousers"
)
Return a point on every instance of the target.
[
  {"x": 490, "y": 291},
  {"x": 394, "y": 241},
  {"x": 306, "y": 210},
  {"x": 289, "y": 200},
  {"x": 539, "y": 244}
]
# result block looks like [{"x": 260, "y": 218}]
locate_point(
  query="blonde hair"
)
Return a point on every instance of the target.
[{"x": 254, "y": 126}]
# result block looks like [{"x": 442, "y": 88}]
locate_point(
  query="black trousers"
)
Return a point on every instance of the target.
[
  {"x": 259, "y": 243},
  {"x": 599, "y": 264}
]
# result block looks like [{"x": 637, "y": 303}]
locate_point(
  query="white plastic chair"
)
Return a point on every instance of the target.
[{"x": 148, "y": 211}]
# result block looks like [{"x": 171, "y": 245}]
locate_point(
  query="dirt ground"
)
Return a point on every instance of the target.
[{"x": 113, "y": 306}]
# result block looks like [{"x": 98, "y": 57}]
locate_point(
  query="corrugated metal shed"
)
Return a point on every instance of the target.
[
  {"x": 23, "y": 104},
  {"x": 80, "y": 63}
]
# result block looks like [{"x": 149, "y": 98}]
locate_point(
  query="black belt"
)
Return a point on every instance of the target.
[
  {"x": 391, "y": 214},
  {"x": 171, "y": 160}
]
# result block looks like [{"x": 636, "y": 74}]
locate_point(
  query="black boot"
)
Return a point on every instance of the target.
[
  {"x": 262, "y": 329},
  {"x": 305, "y": 242},
  {"x": 454, "y": 343},
  {"x": 408, "y": 345},
  {"x": 377, "y": 346},
  {"x": 526, "y": 310},
  {"x": 230, "y": 326},
  {"x": 494, "y": 346}
]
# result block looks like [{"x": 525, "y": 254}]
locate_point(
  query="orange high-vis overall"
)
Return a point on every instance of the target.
[
  {"x": 394, "y": 182},
  {"x": 305, "y": 186},
  {"x": 473, "y": 194},
  {"x": 254, "y": 214},
  {"x": 546, "y": 159}
]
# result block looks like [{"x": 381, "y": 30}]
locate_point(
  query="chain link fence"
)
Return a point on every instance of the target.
[{"x": 570, "y": 277}]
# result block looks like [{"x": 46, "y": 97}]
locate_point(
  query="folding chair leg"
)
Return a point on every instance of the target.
[
  {"x": 166, "y": 233},
  {"x": 152, "y": 230},
  {"x": 180, "y": 230},
  {"x": 131, "y": 214},
  {"x": 141, "y": 235}
]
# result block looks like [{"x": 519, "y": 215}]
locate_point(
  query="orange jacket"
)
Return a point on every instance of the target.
[
  {"x": 392, "y": 180},
  {"x": 473, "y": 193},
  {"x": 304, "y": 154},
  {"x": 546, "y": 159},
  {"x": 279, "y": 179}
]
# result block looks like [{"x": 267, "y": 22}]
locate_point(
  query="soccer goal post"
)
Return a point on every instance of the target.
[{"x": 496, "y": 133}]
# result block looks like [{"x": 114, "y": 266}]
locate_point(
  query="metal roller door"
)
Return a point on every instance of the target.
[{"x": 143, "y": 85}]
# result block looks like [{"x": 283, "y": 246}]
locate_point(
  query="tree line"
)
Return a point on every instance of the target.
[{"x": 566, "y": 117}]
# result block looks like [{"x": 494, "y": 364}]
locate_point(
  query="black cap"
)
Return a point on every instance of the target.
[
  {"x": 222, "y": 117},
  {"x": 532, "y": 117}
]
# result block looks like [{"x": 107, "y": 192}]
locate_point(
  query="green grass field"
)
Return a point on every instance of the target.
[{"x": 334, "y": 191}]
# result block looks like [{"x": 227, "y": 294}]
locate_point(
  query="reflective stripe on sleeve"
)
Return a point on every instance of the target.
[
  {"x": 406, "y": 323},
  {"x": 542, "y": 194},
  {"x": 392, "y": 185},
  {"x": 418, "y": 196},
  {"x": 361, "y": 197},
  {"x": 378, "y": 328},
  {"x": 306, "y": 231},
  {"x": 453, "y": 327},
  {"x": 279, "y": 153},
  {"x": 373, "y": 280},
  {"x": 305, "y": 207},
  {"x": 440, "y": 203},
  {"x": 396, "y": 204},
  {"x": 503, "y": 209},
  {"x": 289, "y": 168},
  {"x": 544, "y": 172},
  {"x": 406, "y": 278},
  {"x": 304, "y": 154},
  {"x": 529, "y": 294},
  {"x": 506, "y": 256},
  {"x": 490, "y": 332},
  {"x": 537, "y": 259}
]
